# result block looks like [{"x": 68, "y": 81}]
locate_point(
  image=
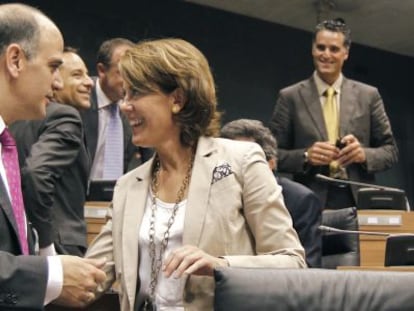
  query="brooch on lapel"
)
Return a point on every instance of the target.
[{"x": 220, "y": 172}]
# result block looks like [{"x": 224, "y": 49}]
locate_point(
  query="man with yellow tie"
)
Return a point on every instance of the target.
[{"x": 332, "y": 125}]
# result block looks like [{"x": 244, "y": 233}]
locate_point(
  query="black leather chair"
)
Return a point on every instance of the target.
[
  {"x": 340, "y": 249},
  {"x": 246, "y": 289}
]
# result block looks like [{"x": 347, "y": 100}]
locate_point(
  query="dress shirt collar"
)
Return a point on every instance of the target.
[
  {"x": 2, "y": 125},
  {"x": 103, "y": 100},
  {"x": 322, "y": 86}
]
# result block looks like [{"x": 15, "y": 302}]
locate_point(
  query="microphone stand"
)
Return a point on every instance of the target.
[
  {"x": 336, "y": 230},
  {"x": 353, "y": 183}
]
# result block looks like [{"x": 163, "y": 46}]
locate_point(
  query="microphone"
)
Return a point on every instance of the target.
[
  {"x": 336, "y": 230},
  {"x": 373, "y": 196},
  {"x": 353, "y": 183}
]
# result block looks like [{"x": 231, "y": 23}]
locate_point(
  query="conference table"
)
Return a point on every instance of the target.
[
  {"x": 95, "y": 212},
  {"x": 372, "y": 248}
]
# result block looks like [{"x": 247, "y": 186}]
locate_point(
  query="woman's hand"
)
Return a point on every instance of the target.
[{"x": 189, "y": 259}]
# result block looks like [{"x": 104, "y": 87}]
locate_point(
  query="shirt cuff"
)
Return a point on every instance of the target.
[
  {"x": 54, "y": 279},
  {"x": 48, "y": 250}
]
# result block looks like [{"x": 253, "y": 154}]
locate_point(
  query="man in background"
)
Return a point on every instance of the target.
[
  {"x": 55, "y": 163},
  {"x": 302, "y": 204},
  {"x": 30, "y": 55},
  {"x": 331, "y": 125},
  {"x": 107, "y": 131}
]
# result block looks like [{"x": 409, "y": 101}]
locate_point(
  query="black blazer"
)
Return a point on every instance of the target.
[
  {"x": 306, "y": 211},
  {"x": 55, "y": 167},
  {"x": 23, "y": 281},
  {"x": 9, "y": 236}
]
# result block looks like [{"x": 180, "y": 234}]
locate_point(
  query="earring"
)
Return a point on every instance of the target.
[{"x": 175, "y": 109}]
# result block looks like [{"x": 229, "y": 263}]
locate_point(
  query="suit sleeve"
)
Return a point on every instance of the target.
[
  {"x": 23, "y": 281},
  {"x": 55, "y": 150},
  {"x": 309, "y": 222},
  {"x": 382, "y": 152},
  {"x": 281, "y": 124},
  {"x": 276, "y": 242}
]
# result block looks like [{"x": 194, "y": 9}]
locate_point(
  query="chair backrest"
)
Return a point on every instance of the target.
[
  {"x": 340, "y": 249},
  {"x": 271, "y": 289}
]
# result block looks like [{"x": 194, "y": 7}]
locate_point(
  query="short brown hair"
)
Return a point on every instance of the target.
[{"x": 165, "y": 65}]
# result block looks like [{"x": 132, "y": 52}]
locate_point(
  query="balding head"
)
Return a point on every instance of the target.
[
  {"x": 30, "y": 53},
  {"x": 23, "y": 25}
]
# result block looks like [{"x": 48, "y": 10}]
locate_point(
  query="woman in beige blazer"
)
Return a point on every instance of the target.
[{"x": 199, "y": 203}]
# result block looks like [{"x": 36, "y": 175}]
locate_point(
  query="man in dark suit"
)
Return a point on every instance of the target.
[
  {"x": 55, "y": 163},
  {"x": 107, "y": 92},
  {"x": 302, "y": 204},
  {"x": 30, "y": 55},
  {"x": 355, "y": 139}
]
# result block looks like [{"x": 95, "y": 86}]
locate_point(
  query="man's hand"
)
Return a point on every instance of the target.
[
  {"x": 322, "y": 153},
  {"x": 189, "y": 259},
  {"x": 352, "y": 152},
  {"x": 80, "y": 279}
]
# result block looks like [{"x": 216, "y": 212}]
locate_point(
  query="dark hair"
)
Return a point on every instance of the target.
[
  {"x": 252, "y": 129},
  {"x": 335, "y": 25},
  {"x": 18, "y": 24},
  {"x": 166, "y": 65},
  {"x": 107, "y": 48}
]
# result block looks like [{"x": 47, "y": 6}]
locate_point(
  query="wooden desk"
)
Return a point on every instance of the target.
[
  {"x": 390, "y": 221},
  {"x": 95, "y": 217}
]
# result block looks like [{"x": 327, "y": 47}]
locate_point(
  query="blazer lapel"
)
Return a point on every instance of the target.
[
  {"x": 5, "y": 204},
  {"x": 133, "y": 213},
  {"x": 199, "y": 191},
  {"x": 90, "y": 120},
  {"x": 347, "y": 106},
  {"x": 310, "y": 98}
]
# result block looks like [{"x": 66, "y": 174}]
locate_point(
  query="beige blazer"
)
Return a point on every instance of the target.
[{"x": 234, "y": 209}]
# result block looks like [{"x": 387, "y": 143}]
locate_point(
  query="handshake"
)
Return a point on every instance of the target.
[{"x": 81, "y": 277}]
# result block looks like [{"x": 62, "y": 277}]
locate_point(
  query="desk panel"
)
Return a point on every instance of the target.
[
  {"x": 389, "y": 221},
  {"x": 95, "y": 213}
]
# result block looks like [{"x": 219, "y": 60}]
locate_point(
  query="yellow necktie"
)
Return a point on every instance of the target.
[{"x": 330, "y": 113}]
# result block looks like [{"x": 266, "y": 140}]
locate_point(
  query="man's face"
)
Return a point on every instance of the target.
[
  {"x": 77, "y": 84},
  {"x": 38, "y": 77},
  {"x": 329, "y": 54},
  {"x": 109, "y": 76}
]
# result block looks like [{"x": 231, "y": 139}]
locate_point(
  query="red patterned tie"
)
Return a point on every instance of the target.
[{"x": 11, "y": 165}]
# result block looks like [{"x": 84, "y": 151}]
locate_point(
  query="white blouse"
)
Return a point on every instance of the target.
[{"x": 169, "y": 291}]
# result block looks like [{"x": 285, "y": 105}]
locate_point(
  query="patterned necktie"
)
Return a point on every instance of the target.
[
  {"x": 11, "y": 166},
  {"x": 114, "y": 145},
  {"x": 330, "y": 113}
]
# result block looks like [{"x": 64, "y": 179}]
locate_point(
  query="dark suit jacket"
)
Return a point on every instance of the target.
[
  {"x": 298, "y": 122},
  {"x": 133, "y": 155},
  {"x": 23, "y": 281},
  {"x": 9, "y": 236},
  {"x": 55, "y": 167},
  {"x": 306, "y": 211}
]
